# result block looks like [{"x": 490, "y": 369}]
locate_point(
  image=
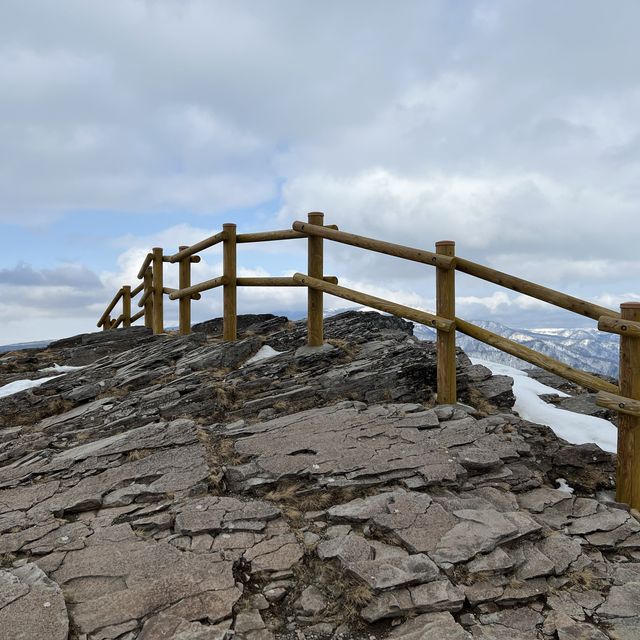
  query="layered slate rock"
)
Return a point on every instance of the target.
[
  {"x": 32, "y": 605},
  {"x": 172, "y": 489},
  {"x": 355, "y": 444}
]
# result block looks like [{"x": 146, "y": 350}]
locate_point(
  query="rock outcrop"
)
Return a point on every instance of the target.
[{"x": 178, "y": 488}]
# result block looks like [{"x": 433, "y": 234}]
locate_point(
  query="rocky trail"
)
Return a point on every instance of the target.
[{"x": 181, "y": 488}]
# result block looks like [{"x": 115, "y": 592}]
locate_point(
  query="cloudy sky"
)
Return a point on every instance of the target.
[{"x": 509, "y": 126}]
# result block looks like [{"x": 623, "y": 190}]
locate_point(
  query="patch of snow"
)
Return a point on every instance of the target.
[
  {"x": 573, "y": 427},
  {"x": 21, "y": 385},
  {"x": 564, "y": 486},
  {"x": 59, "y": 369},
  {"x": 263, "y": 353}
]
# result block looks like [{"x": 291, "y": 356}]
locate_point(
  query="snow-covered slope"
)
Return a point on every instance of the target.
[
  {"x": 586, "y": 349},
  {"x": 573, "y": 427}
]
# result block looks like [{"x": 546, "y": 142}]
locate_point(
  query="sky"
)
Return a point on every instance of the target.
[{"x": 509, "y": 126}]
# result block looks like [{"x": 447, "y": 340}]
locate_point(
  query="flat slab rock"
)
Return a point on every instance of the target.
[
  {"x": 352, "y": 444},
  {"x": 32, "y": 605}
]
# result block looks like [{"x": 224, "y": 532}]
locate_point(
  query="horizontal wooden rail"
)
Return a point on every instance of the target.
[
  {"x": 537, "y": 291},
  {"x": 197, "y": 247},
  {"x": 110, "y": 307},
  {"x": 137, "y": 316},
  {"x": 283, "y": 234},
  {"x": 618, "y": 403},
  {"x": 421, "y": 317},
  {"x": 380, "y": 246},
  {"x": 169, "y": 290},
  {"x": 518, "y": 350},
  {"x": 619, "y": 326},
  {"x": 193, "y": 259},
  {"x": 145, "y": 264},
  {"x": 118, "y": 321},
  {"x": 145, "y": 296},
  {"x": 197, "y": 288},
  {"x": 277, "y": 282},
  {"x": 137, "y": 290}
]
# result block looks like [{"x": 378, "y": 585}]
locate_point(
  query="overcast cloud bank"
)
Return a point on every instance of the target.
[{"x": 509, "y": 126}]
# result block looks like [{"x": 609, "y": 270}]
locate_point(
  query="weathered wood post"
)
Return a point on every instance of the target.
[
  {"x": 446, "y": 340},
  {"x": 106, "y": 325},
  {"x": 184, "y": 281},
  {"x": 229, "y": 294},
  {"x": 126, "y": 305},
  {"x": 315, "y": 267},
  {"x": 148, "y": 298},
  {"x": 158, "y": 291},
  {"x": 628, "y": 465}
]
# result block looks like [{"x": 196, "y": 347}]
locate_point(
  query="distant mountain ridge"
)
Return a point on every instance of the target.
[
  {"x": 38, "y": 344},
  {"x": 586, "y": 349}
]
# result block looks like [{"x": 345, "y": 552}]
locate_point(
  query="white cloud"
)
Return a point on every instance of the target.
[{"x": 509, "y": 127}]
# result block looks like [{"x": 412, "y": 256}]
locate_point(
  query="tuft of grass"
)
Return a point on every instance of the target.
[
  {"x": 349, "y": 349},
  {"x": 586, "y": 579},
  {"x": 7, "y": 560},
  {"x": 479, "y": 402},
  {"x": 115, "y": 392},
  {"x": 346, "y": 595},
  {"x": 138, "y": 454},
  {"x": 220, "y": 452}
]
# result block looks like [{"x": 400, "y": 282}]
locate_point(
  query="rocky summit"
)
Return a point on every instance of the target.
[{"x": 183, "y": 488}]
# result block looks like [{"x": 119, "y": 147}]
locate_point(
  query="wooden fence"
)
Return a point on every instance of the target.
[{"x": 624, "y": 399}]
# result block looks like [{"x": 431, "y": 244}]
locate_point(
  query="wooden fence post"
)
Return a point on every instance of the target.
[
  {"x": 126, "y": 305},
  {"x": 628, "y": 465},
  {"x": 229, "y": 313},
  {"x": 148, "y": 303},
  {"x": 315, "y": 267},
  {"x": 184, "y": 303},
  {"x": 158, "y": 286},
  {"x": 106, "y": 325},
  {"x": 446, "y": 341}
]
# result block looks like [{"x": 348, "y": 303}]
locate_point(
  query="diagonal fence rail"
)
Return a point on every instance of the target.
[{"x": 624, "y": 399}]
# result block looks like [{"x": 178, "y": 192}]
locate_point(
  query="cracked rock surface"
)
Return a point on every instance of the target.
[{"x": 173, "y": 490}]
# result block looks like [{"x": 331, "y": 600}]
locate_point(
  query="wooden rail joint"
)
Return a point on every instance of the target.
[
  {"x": 618, "y": 403},
  {"x": 619, "y": 326}
]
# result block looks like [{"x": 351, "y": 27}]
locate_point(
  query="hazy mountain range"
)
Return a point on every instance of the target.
[{"x": 587, "y": 349}]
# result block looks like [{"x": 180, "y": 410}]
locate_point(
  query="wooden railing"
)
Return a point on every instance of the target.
[{"x": 624, "y": 399}]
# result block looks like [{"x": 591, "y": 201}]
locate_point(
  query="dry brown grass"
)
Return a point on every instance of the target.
[
  {"x": 138, "y": 454},
  {"x": 479, "y": 402},
  {"x": 586, "y": 579},
  {"x": 346, "y": 594},
  {"x": 349, "y": 349},
  {"x": 7, "y": 560},
  {"x": 220, "y": 452},
  {"x": 117, "y": 392},
  {"x": 224, "y": 399},
  {"x": 298, "y": 496}
]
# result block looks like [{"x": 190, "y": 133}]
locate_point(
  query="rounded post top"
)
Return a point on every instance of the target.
[
  {"x": 228, "y": 225},
  {"x": 183, "y": 246},
  {"x": 630, "y": 305},
  {"x": 315, "y": 215},
  {"x": 445, "y": 243},
  {"x": 157, "y": 249}
]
